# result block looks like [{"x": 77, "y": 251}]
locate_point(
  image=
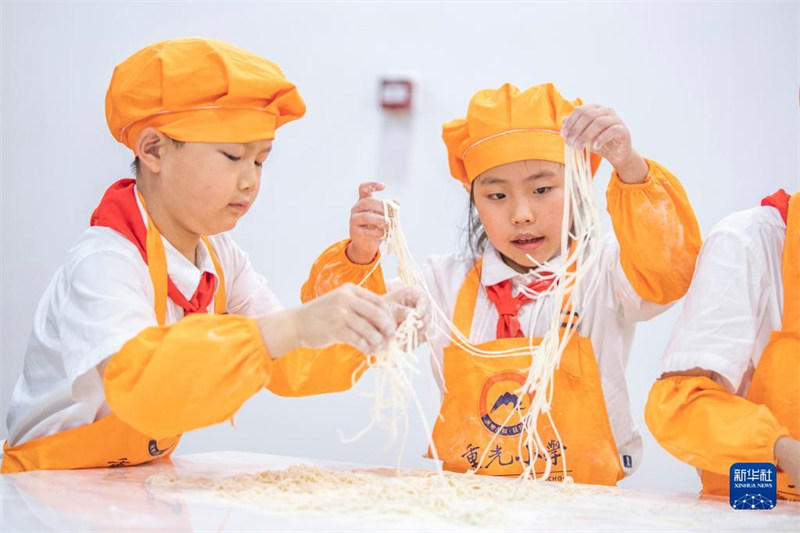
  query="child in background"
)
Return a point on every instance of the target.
[
  {"x": 508, "y": 152},
  {"x": 730, "y": 388},
  {"x": 151, "y": 328}
]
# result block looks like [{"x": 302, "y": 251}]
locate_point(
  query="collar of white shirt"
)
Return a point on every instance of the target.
[
  {"x": 494, "y": 270},
  {"x": 183, "y": 273}
]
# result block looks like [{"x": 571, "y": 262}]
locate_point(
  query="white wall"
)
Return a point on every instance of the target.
[{"x": 709, "y": 89}]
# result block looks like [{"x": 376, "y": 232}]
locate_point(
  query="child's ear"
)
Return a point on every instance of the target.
[{"x": 149, "y": 147}]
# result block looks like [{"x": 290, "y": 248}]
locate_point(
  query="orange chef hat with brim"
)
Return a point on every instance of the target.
[
  {"x": 199, "y": 90},
  {"x": 505, "y": 125}
]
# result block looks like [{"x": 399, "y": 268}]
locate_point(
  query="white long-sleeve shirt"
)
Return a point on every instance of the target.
[{"x": 735, "y": 300}]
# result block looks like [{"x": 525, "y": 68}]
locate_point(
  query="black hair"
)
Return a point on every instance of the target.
[{"x": 476, "y": 235}]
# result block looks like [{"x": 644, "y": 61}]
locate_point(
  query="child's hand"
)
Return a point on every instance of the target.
[
  {"x": 348, "y": 314},
  {"x": 367, "y": 226},
  {"x": 787, "y": 452},
  {"x": 600, "y": 130},
  {"x": 407, "y": 300}
]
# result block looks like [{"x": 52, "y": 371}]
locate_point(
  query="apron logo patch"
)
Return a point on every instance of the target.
[{"x": 500, "y": 405}]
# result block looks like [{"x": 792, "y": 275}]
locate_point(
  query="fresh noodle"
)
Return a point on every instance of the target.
[
  {"x": 490, "y": 503},
  {"x": 375, "y": 492}
]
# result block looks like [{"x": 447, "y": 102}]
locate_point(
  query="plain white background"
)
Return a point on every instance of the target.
[{"x": 708, "y": 89}]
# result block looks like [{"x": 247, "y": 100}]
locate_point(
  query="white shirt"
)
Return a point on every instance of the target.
[
  {"x": 735, "y": 300},
  {"x": 606, "y": 302},
  {"x": 97, "y": 301}
]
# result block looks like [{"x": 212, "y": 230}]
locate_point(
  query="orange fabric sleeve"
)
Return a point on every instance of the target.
[
  {"x": 307, "y": 371},
  {"x": 695, "y": 419},
  {"x": 333, "y": 269},
  {"x": 658, "y": 235},
  {"x": 196, "y": 372}
]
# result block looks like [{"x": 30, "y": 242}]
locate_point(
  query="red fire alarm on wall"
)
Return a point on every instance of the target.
[{"x": 396, "y": 94}]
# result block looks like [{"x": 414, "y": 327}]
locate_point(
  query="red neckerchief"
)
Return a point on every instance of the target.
[
  {"x": 119, "y": 211},
  {"x": 508, "y": 306},
  {"x": 780, "y": 201}
]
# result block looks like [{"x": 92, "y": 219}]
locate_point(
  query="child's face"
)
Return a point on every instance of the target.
[
  {"x": 210, "y": 186},
  {"x": 520, "y": 205}
]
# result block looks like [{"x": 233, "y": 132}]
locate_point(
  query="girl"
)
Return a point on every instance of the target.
[{"x": 508, "y": 151}]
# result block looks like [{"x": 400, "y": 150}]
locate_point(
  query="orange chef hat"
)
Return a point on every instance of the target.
[
  {"x": 505, "y": 125},
  {"x": 199, "y": 90}
]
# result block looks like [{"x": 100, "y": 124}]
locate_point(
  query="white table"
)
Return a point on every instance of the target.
[{"x": 120, "y": 499}]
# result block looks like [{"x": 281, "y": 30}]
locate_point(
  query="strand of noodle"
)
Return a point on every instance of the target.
[
  {"x": 547, "y": 355},
  {"x": 581, "y": 217},
  {"x": 395, "y": 367}
]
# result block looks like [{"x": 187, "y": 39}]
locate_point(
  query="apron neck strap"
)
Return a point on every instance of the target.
[
  {"x": 157, "y": 266},
  {"x": 791, "y": 268},
  {"x": 467, "y": 298}
]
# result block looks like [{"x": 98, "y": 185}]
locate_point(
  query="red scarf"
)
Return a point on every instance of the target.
[
  {"x": 508, "y": 306},
  {"x": 780, "y": 201},
  {"x": 119, "y": 211}
]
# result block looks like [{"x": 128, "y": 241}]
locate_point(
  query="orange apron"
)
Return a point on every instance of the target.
[
  {"x": 776, "y": 379},
  {"x": 479, "y": 409},
  {"x": 109, "y": 441}
]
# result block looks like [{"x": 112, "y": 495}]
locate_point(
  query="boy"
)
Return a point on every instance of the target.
[{"x": 114, "y": 373}]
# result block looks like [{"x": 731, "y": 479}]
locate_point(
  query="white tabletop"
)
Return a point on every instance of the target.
[{"x": 121, "y": 499}]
